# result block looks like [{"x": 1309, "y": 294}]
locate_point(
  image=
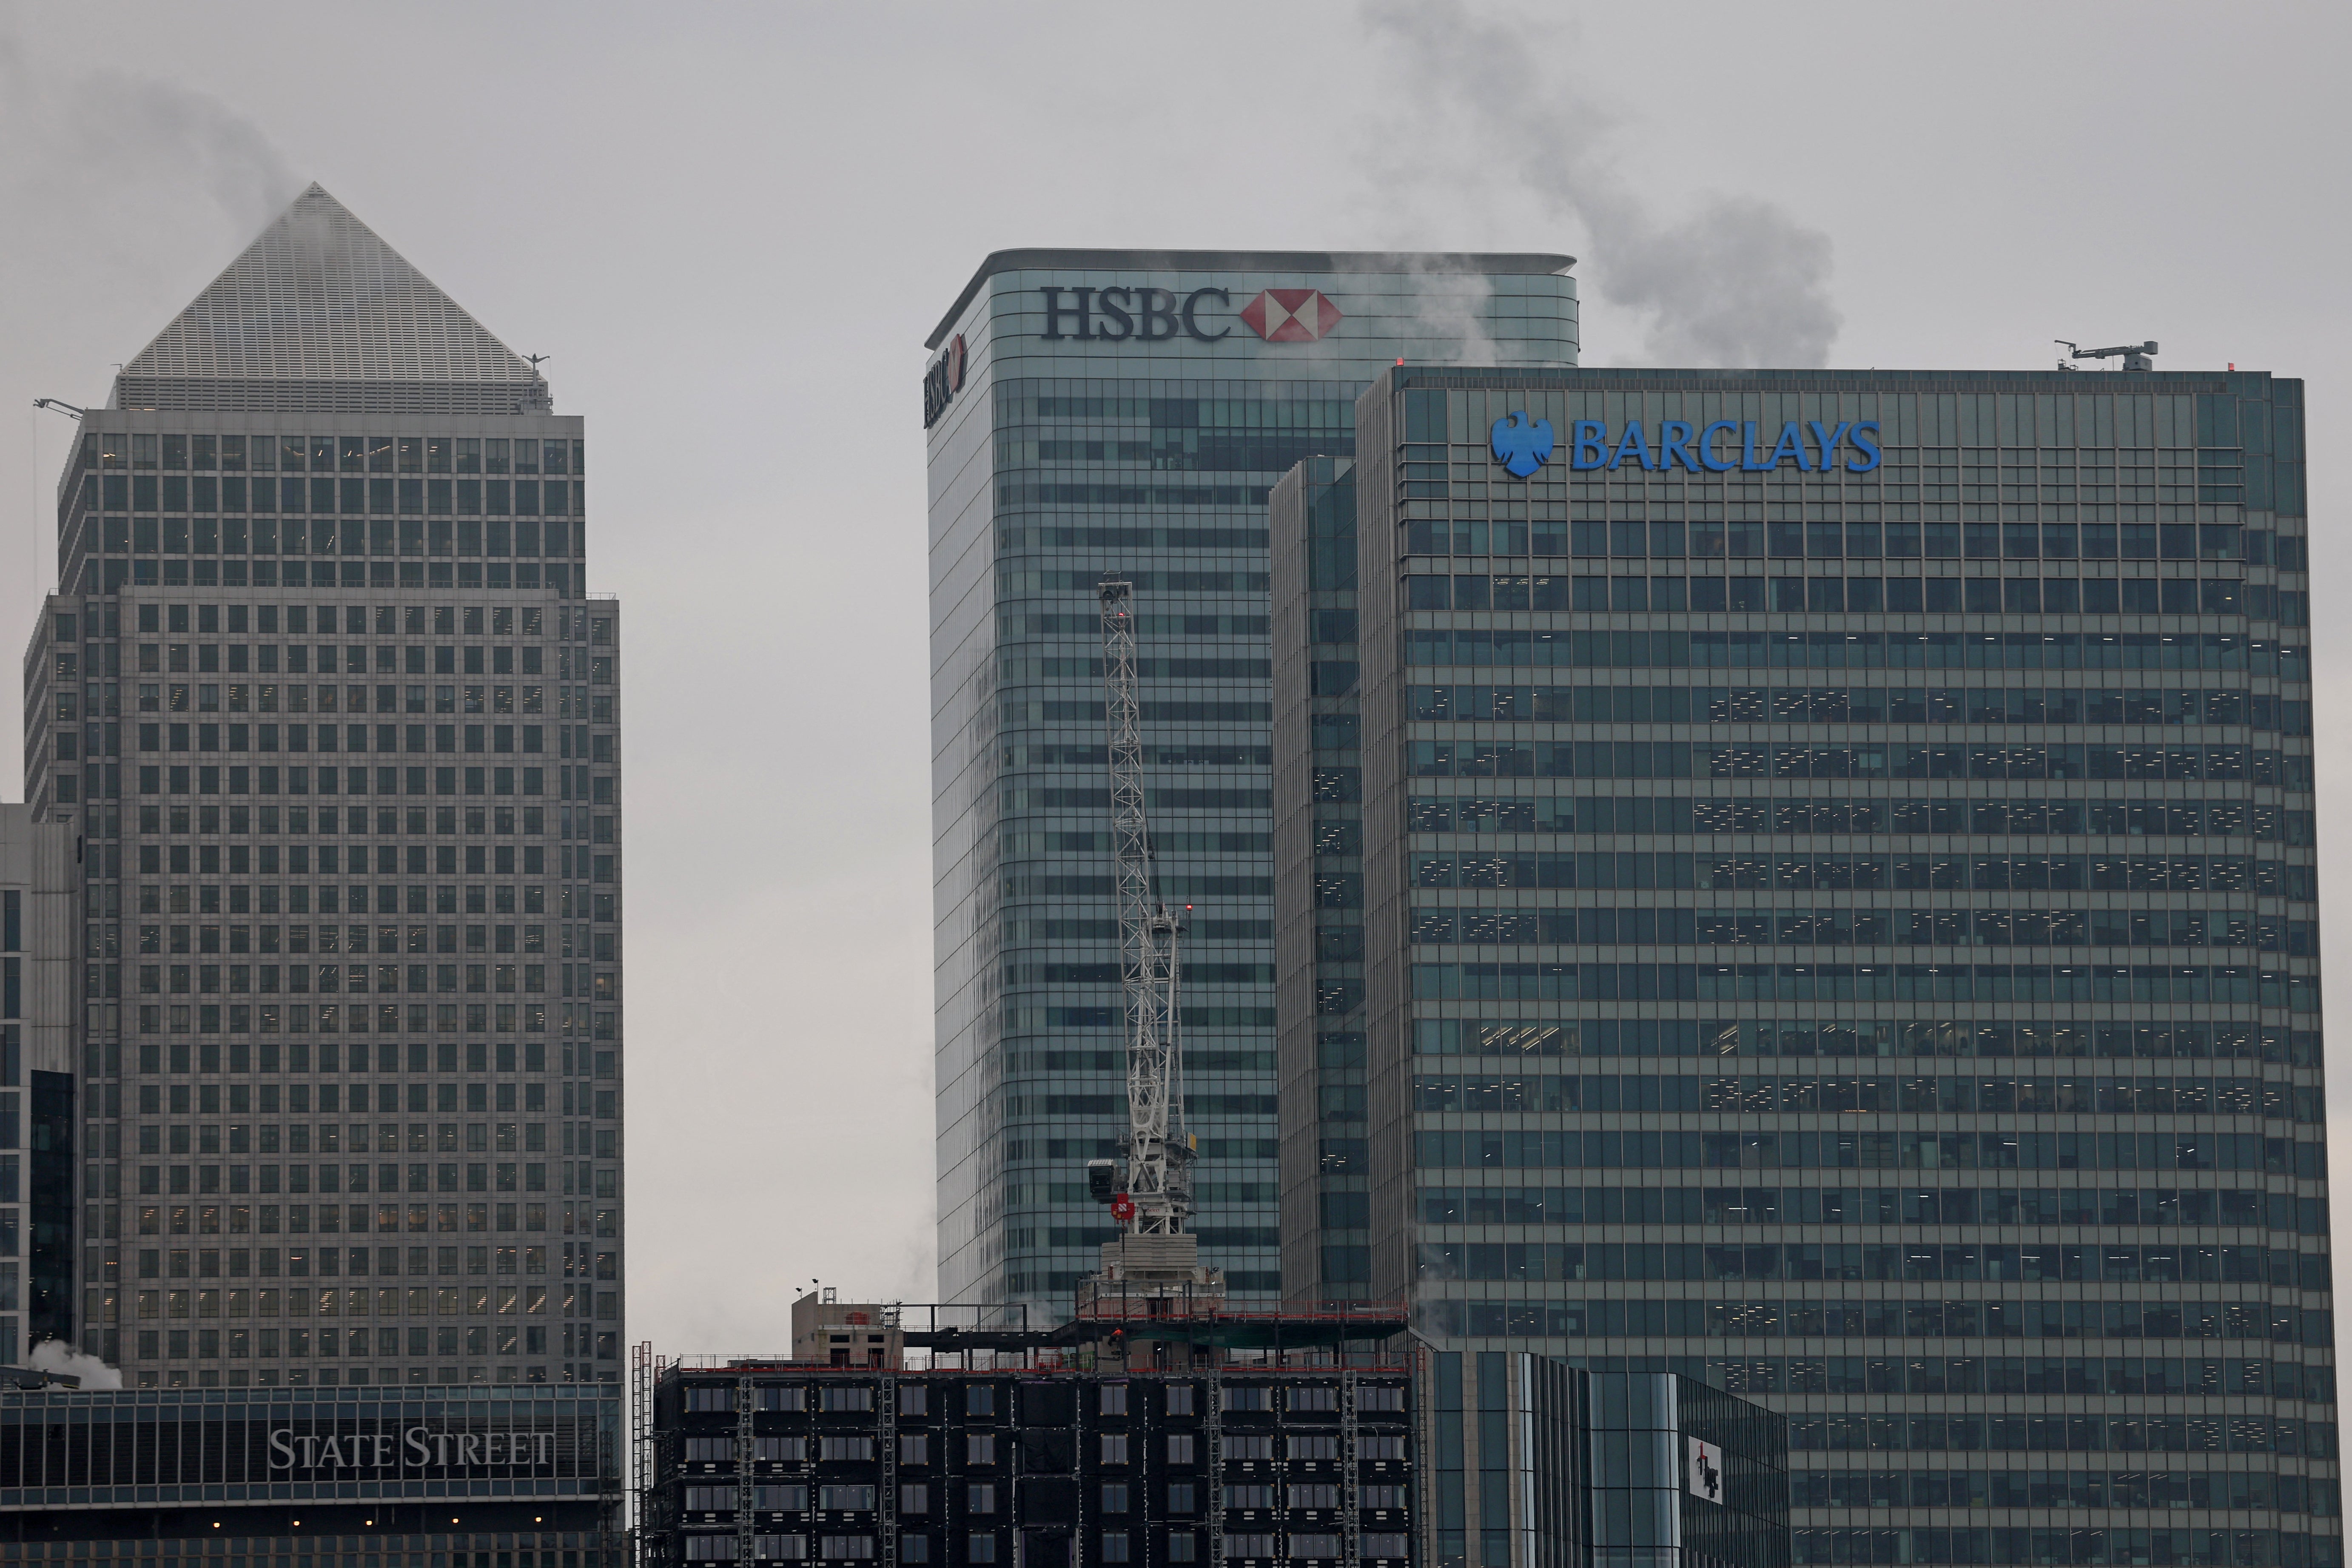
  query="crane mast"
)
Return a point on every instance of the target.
[{"x": 1159, "y": 1152}]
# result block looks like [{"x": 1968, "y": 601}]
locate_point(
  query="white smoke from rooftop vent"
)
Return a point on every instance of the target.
[
  {"x": 1451, "y": 312},
  {"x": 1738, "y": 283},
  {"x": 59, "y": 1357}
]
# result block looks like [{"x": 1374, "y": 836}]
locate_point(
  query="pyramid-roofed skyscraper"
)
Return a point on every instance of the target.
[
  {"x": 325, "y": 692},
  {"x": 319, "y": 308}
]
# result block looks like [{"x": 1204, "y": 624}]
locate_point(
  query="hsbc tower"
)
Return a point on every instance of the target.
[{"x": 1122, "y": 412}]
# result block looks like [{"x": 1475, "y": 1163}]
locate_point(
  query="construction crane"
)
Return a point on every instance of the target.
[
  {"x": 1158, "y": 1199},
  {"x": 2133, "y": 355}
]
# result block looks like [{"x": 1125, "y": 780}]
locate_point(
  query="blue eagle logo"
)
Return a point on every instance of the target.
[{"x": 1520, "y": 446}]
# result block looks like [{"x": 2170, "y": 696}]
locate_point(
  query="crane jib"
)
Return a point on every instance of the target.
[{"x": 1150, "y": 963}]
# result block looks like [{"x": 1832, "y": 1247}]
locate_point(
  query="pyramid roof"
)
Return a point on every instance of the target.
[{"x": 317, "y": 303}]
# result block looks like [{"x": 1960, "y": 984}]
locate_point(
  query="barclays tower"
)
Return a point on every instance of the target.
[
  {"x": 1805, "y": 880},
  {"x": 1127, "y": 412}
]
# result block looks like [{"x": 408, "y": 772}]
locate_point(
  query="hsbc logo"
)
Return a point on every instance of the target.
[
  {"x": 1291, "y": 315},
  {"x": 1204, "y": 315},
  {"x": 943, "y": 382}
]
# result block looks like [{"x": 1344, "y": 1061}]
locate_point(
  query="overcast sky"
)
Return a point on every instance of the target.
[{"x": 732, "y": 227}]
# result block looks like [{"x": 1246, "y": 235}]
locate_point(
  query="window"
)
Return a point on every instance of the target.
[
  {"x": 1370, "y": 1398},
  {"x": 1316, "y": 1447},
  {"x": 1383, "y": 1545},
  {"x": 980, "y": 1399},
  {"x": 980, "y": 1548},
  {"x": 1318, "y": 1495},
  {"x": 1249, "y": 1447},
  {"x": 855, "y": 1448},
  {"x": 1248, "y": 1398},
  {"x": 1114, "y": 1448},
  {"x": 1179, "y": 1399},
  {"x": 709, "y": 1500},
  {"x": 859, "y": 1398},
  {"x": 708, "y": 1450},
  {"x": 793, "y": 1398},
  {"x": 1383, "y": 1497},
  {"x": 699, "y": 1399},
  {"x": 1114, "y": 1399},
  {"x": 1183, "y": 1546},
  {"x": 710, "y": 1549},
  {"x": 779, "y": 1450},
  {"x": 914, "y": 1498},
  {"x": 845, "y": 1496},
  {"x": 780, "y": 1548},
  {"x": 914, "y": 1399},
  {"x": 845, "y": 1548},
  {"x": 915, "y": 1448},
  {"x": 1248, "y": 1546},
  {"x": 1179, "y": 1496},
  {"x": 915, "y": 1549},
  {"x": 1249, "y": 1497},
  {"x": 1379, "y": 1448},
  {"x": 780, "y": 1499},
  {"x": 1315, "y": 1546},
  {"x": 980, "y": 1497},
  {"x": 1114, "y": 1546},
  {"x": 1114, "y": 1497},
  {"x": 979, "y": 1448},
  {"x": 1179, "y": 1448}
]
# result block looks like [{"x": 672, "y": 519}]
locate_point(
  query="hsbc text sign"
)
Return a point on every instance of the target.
[{"x": 1149, "y": 315}]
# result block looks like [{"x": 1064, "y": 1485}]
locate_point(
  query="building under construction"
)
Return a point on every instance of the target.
[
  {"x": 1028, "y": 1459},
  {"x": 1213, "y": 1438}
]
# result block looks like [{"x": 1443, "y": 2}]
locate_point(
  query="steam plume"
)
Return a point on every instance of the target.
[
  {"x": 1738, "y": 283},
  {"x": 57, "y": 1356},
  {"x": 96, "y": 139}
]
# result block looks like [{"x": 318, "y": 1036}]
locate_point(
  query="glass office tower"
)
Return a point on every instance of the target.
[
  {"x": 1895, "y": 788},
  {"x": 1126, "y": 411},
  {"x": 323, "y": 693}
]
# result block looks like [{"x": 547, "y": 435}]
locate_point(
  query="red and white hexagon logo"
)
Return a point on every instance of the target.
[{"x": 1291, "y": 315}]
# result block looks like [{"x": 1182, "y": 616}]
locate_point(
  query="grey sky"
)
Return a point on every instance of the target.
[{"x": 732, "y": 227}]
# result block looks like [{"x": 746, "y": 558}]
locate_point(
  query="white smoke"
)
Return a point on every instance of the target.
[
  {"x": 96, "y": 139},
  {"x": 1451, "y": 310},
  {"x": 61, "y": 1358},
  {"x": 123, "y": 197},
  {"x": 1738, "y": 283}
]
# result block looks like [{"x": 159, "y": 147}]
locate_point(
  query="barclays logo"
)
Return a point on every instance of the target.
[{"x": 1520, "y": 446}]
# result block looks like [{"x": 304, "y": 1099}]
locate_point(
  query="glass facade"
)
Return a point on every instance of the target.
[
  {"x": 1913, "y": 832},
  {"x": 325, "y": 697},
  {"x": 1122, "y": 412},
  {"x": 40, "y": 941},
  {"x": 344, "y": 1478}
]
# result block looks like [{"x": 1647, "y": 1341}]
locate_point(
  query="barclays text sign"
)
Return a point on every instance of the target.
[{"x": 1726, "y": 446}]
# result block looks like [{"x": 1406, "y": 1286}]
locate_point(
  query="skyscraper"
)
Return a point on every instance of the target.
[
  {"x": 323, "y": 691},
  {"x": 1814, "y": 889},
  {"x": 1125, "y": 412},
  {"x": 39, "y": 939}
]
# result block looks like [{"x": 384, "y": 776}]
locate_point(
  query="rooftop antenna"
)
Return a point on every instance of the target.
[
  {"x": 56, "y": 407},
  {"x": 536, "y": 361},
  {"x": 2135, "y": 356}
]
